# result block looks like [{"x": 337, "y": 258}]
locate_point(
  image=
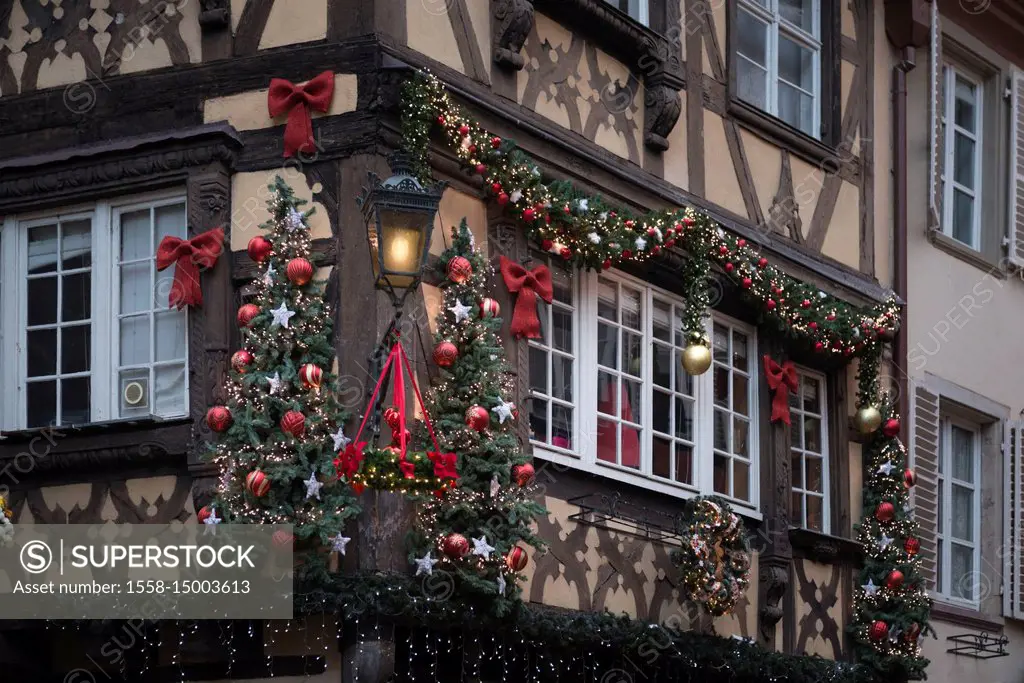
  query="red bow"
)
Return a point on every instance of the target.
[
  {"x": 296, "y": 101},
  {"x": 781, "y": 380},
  {"x": 444, "y": 465},
  {"x": 348, "y": 461},
  {"x": 408, "y": 469},
  {"x": 202, "y": 250},
  {"x": 529, "y": 284}
]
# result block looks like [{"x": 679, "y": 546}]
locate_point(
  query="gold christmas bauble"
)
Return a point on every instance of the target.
[
  {"x": 867, "y": 419},
  {"x": 696, "y": 359}
]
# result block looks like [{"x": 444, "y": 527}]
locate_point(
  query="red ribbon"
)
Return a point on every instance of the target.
[
  {"x": 348, "y": 461},
  {"x": 529, "y": 284},
  {"x": 287, "y": 98},
  {"x": 202, "y": 250},
  {"x": 781, "y": 380}
]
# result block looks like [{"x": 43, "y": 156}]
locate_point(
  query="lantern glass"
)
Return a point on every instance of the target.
[{"x": 403, "y": 244}]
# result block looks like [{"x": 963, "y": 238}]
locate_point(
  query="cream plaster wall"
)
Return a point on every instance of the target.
[
  {"x": 248, "y": 110},
  {"x": 454, "y": 207},
  {"x": 295, "y": 21},
  {"x": 807, "y": 182},
  {"x": 249, "y": 194},
  {"x": 842, "y": 241},
  {"x": 430, "y": 32},
  {"x": 950, "y": 668},
  {"x": 765, "y": 161},
  {"x": 723, "y": 188}
]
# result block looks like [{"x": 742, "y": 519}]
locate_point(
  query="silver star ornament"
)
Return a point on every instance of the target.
[
  {"x": 313, "y": 486},
  {"x": 282, "y": 315},
  {"x": 425, "y": 565},
  {"x": 460, "y": 311},
  {"x": 503, "y": 410}
]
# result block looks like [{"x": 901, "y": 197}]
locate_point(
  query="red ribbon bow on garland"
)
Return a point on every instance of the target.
[
  {"x": 529, "y": 284},
  {"x": 444, "y": 465},
  {"x": 202, "y": 250},
  {"x": 287, "y": 98},
  {"x": 781, "y": 380},
  {"x": 348, "y": 461}
]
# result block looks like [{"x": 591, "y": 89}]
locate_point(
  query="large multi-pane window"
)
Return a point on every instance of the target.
[
  {"x": 85, "y": 319},
  {"x": 637, "y": 416},
  {"x": 778, "y": 59},
  {"x": 809, "y": 451},
  {"x": 961, "y": 154},
  {"x": 959, "y": 511}
]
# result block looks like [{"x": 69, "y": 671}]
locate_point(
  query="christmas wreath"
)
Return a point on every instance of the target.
[{"x": 714, "y": 559}]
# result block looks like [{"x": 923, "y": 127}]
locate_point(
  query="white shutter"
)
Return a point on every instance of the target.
[
  {"x": 924, "y": 452},
  {"x": 935, "y": 142},
  {"x": 1015, "y": 215},
  {"x": 1013, "y": 520}
]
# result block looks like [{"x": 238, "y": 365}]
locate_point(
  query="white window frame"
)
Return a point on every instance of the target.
[
  {"x": 950, "y": 130},
  {"x": 826, "y": 502},
  {"x": 812, "y": 41},
  {"x": 105, "y": 352},
  {"x": 945, "y": 486},
  {"x": 640, "y": 14},
  {"x": 583, "y": 455}
]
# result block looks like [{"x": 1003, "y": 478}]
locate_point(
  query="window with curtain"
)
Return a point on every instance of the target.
[
  {"x": 85, "y": 317},
  {"x": 809, "y": 450},
  {"x": 959, "y": 512},
  {"x": 636, "y": 415},
  {"x": 961, "y": 125}
]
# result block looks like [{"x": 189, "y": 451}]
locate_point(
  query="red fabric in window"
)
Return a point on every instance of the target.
[{"x": 606, "y": 428}]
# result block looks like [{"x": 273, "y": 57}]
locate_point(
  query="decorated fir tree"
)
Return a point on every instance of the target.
[
  {"x": 891, "y": 607},
  {"x": 282, "y": 423},
  {"x": 479, "y": 529}
]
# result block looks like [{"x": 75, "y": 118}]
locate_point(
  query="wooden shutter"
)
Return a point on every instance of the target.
[
  {"x": 1015, "y": 216},
  {"x": 924, "y": 451},
  {"x": 936, "y": 144},
  {"x": 1013, "y": 520}
]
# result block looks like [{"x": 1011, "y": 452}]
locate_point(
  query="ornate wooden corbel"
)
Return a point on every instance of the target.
[
  {"x": 774, "y": 580},
  {"x": 662, "y": 106},
  {"x": 514, "y": 21}
]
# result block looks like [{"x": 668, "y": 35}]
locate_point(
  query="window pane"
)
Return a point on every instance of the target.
[
  {"x": 964, "y": 103},
  {"x": 538, "y": 370},
  {"x": 561, "y": 426},
  {"x": 136, "y": 290},
  {"x": 170, "y": 335},
  {"x": 796, "y": 469},
  {"x": 721, "y": 344},
  {"x": 799, "y": 13},
  {"x": 963, "y": 513},
  {"x": 74, "y": 349},
  {"x": 721, "y": 386},
  {"x": 42, "y": 301},
  {"x": 169, "y": 390},
  {"x": 539, "y": 419},
  {"x": 751, "y": 83},
  {"x": 135, "y": 340},
  {"x": 963, "y": 218},
  {"x": 661, "y": 458},
  {"x": 42, "y": 352},
  {"x": 662, "y": 412},
  {"x": 662, "y": 321},
  {"x": 740, "y": 392},
  {"x": 810, "y": 394},
  {"x": 42, "y": 249},
  {"x": 561, "y": 377},
  {"x": 133, "y": 401},
  {"x": 561, "y": 334},
  {"x": 751, "y": 37},
  {"x": 684, "y": 419},
  {"x": 74, "y": 399},
  {"x": 632, "y": 345},
  {"x": 739, "y": 350},
  {"x": 740, "y": 436},
  {"x": 607, "y": 441},
  {"x": 607, "y": 345},
  {"x": 796, "y": 503},
  {"x": 607, "y": 394},
  {"x": 607, "y": 300},
  {"x": 963, "y": 160},
  {"x": 796, "y": 65},
  {"x": 812, "y": 434},
  {"x": 814, "y": 474},
  {"x": 76, "y": 297},
  {"x": 630, "y": 447},
  {"x": 961, "y": 577},
  {"x": 631, "y": 406},
  {"x": 796, "y": 108},
  {"x": 561, "y": 283},
  {"x": 632, "y": 308},
  {"x": 721, "y": 474},
  {"x": 41, "y": 403},
  {"x": 662, "y": 363},
  {"x": 170, "y": 220},
  {"x": 76, "y": 244},
  {"x": 722, "y": 430},
  {"x": 815, "y": 516},
  {"x": 684, "y": 464},
  {"x": 939, "y": 567},
  {"x": 963, "y": 454},
  {"x": 741, "y": 480},
  {"x": 136, "y": 236}
]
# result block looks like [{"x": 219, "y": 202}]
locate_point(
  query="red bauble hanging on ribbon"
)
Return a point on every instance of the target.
[
  {"x": 445, "y": 354},
  {"x": 477, "y": 418},
  {"x": 241, "y": 360},
  {"x": 259, "y": 248},
  {"x": 219, "y": 418},
  {"x": 299, "y": 271},
  {"x": 246, "y": 314},
  {"x": 885, "y": 511},
  {"x": 459, "y": 269},
  {"x": 455, "y": 546},
  {"x": 878, "y": 631},
  {"x": 523, "y": 474},
  {"x": 311, "y": 376},
  {"x": 257, "y": 483},
  {"x": 293, "y": 422},
  {"x": 516, "y": 559}
]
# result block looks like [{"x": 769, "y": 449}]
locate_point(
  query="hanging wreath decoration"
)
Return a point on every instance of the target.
[{"x": 714, "y": 560}]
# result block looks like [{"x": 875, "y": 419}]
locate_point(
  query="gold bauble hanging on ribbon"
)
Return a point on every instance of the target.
[
  {"x": 867, "y": 419},
  {"x": 696, "y": 359}
]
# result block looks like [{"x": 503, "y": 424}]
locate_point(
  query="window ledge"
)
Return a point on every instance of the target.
[
  {"x": 824, "y": 548},
  {"x": 965, "y": 253},
  {"x": 965, "y": 616},
  {"x": 810, "y": 149}
]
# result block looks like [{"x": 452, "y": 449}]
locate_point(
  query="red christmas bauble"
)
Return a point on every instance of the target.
[
  {"x": 455, "y": 546},
  {"x": 463, "y": 129},
  {"x": 879, "y": 631},
  {"x": 478, "y": 418},
  {"x": 818, "y": 346},
  {"x": 729, "y": 267},
  {"x": 391, "y": 417},
  {"x": 909, "y": 478},
  {"x": 257, "y": 483},
  {"x": 481, "y": 169},
  {"x": 502, "y": 198},
  {"x": 885, "y": 511},
  {"x": 516, "y": 559},
  {"x": 204, "y": 514},
  {"x": 219, "y": 418},
  {"x": 496, "y": 187},
  {"x": 812, "y": 325},
  {"x": 311, "y": 375},
  {"x": 241, "y": 360},
  {"x": 912, "y": 633},
  {"x": 747, "y": 283},
  {"x": 259, "y": 248},
  {"x": 396, "y": 442},
  {"x": 445, "y": 354},
  {"x": 524, "y": 474},
  {"x": 770, "y": 304},
  {"x": 489, "y": 308},
  {"x": 299, "y": 271},
  {"x": 565, "y": 252},
  {"x": 495, "y": 142},
  {"x": 741, "y": 243},
  {"x": 246, "y": 313},
  {"x": 293, "y": 422},
  {"x": 806, "y": 303},
  {"x": 891, "y": 427},
  {"x": 762, "y": 262},
  {"x": 282, "y": 539},
  {"x": 442, "y": 120},
  {"x": 895, "y": 579},
  {"x": 459, "y": 269},
  {"x": 607, "y": 264},
  {"x": 528, "y": 216},
  {"x": 912, "y": 546},
  {"x": 723, "y": 250}
]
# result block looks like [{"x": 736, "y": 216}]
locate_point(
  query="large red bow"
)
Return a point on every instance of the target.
[
  {"x": 781, "y": 380},
  {"x": 287, "y": 98},
  {"x": 529, "y": 284},
  {"x": 348, "y": 461},
  {"x": 444, "y": 465},
  {"x": 202, "y": 250}
]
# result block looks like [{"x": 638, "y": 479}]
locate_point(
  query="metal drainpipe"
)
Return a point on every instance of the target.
[{"x": 899, "y": 203}]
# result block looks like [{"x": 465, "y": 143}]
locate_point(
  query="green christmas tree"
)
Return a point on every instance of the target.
[
  {"x": 282, "y": 423},
  {"x": 478, "y": 530},
  {"x": 891, "y": 607}
]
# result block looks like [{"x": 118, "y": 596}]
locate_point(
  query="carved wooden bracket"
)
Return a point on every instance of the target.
[
  {"x": 513, "y": 22},
  {"x": 774, "y": 580}
]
